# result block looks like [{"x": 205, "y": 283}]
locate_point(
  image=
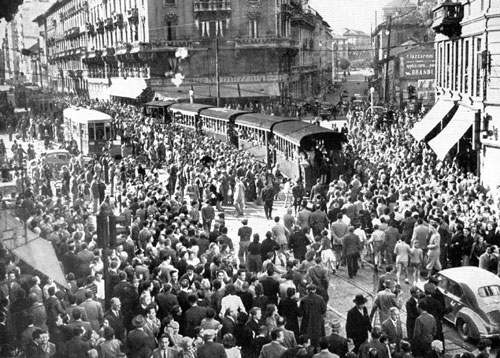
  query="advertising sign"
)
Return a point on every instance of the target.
[{"x": 418, "y": 64}]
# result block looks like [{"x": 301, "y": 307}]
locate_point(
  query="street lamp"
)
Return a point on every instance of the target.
[{"x": 372, "y": 91}]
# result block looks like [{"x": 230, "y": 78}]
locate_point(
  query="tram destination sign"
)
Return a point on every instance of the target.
[{"x": 418, "y": 64}]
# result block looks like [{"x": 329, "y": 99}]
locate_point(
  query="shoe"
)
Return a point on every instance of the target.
[{"x": 407, "y": 281}]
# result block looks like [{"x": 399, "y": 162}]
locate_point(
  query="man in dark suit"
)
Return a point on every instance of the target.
[
  {"x": 228, "y": 323},
  {"x": 412, "y": 311},
  {"x": 392, "y": 327},
  {"x": 164, "y": 351},
  {"x": 166, "y": 300},
  {"x": 193, "y": 316},
  {"x": 358, "y": 322},
  {"x": 271, "y": 286},
  {"x": 210, "y": 349},
  {"x": 424, "y": 332},
  {"x": 336, "y": 343},
  {"x": 139, "y": 343},
  {"x": 78, "y": 322},
  {"x": 78, "y": 346},
  {"x": 274, "y": 349},
  {"x": 115, "y": 318},
  {"x": 350, "y": 250}
]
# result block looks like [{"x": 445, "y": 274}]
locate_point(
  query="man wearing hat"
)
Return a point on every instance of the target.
[
  {"x": 336, "y": 343},
  {"x": 313, "y": 309},
  {"x": 358, "y": 323},
  {"x": 434, "y": 247},
  {"x": 210, "y": 349},
  {"x": 139, "y": 343}
]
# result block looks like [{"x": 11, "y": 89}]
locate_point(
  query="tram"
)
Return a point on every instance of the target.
[
  {"x": 90, "y": 129},
  {"x": 159, "y": 110},
  {"x": 302, "y": 150}
]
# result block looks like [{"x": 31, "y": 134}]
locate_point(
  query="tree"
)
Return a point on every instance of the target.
[{"x": 8, "y": 8}]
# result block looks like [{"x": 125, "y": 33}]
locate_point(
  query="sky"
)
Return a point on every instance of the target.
[{"x": 353, "y": 14}]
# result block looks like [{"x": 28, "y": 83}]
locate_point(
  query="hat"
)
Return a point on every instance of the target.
[
  {"x": 138, "y": 321},
  {"x": 359, "y": 299},
  {"x": 335, "y": 325},
  {"x": 311, "y": 287},
  {"x": 208, "y": 333}
]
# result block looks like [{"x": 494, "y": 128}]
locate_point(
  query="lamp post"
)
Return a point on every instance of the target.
[{"x": 372, "y": 92}]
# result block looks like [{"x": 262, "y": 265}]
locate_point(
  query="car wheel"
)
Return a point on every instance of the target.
[{"x": 464, "y": 329}]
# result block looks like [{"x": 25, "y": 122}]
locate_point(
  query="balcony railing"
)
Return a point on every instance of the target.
[
  {"x": 447, "y": 18},
  {"x": 280, "y": 42},
  {"x": 211, "y": 5},
  {"x": 72, "y": 32}
]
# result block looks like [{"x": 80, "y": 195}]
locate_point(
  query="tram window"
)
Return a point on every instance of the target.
[{"x": 99, "y": 131}]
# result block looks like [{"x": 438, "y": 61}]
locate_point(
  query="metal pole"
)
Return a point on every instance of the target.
[
  {"x": 386, "y": 90},
  {"x": 372, "y": 91},
  {"x": 217, "y": 74}
]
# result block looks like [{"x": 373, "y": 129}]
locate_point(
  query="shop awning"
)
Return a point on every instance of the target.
[
  {"x": 431, "y": 119},
  {"x": 127, "y": 88},
  {"x": 451, "y": 134}
]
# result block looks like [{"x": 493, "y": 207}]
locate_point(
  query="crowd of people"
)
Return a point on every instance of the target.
[{"x": 174, "y": 283}]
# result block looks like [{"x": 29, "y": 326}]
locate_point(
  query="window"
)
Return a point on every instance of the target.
[
  {"x": 462, "y": 60},
  {"x": 455, "y": 289},
  {"x": 488, "y": 291},
  {"x": 466, "y": 67},
  {"x": 253, "y": 29},
  {"x": 169, "y": 2},
  {"x": 455, "y": 66},
  {"x": 448, "y": 67},
  {"x": 170, "y": 31},
  {"x": 479, "y": 72}
]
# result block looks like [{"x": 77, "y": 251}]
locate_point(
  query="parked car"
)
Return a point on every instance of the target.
[
  {"x": 472, "y": 298},
  {"x": 56, "y": 159}
]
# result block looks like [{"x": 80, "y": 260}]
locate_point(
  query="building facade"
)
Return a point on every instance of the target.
[
  {"x": 100, "y": 46},
  {"x": 403, "y": 30},
  {"x": 359, "y": 47},
  {"x": 467, "y": 49},
  {"x": 21, "y": 38}
]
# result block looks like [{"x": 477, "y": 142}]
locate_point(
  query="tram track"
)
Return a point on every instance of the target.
[{"x": 453, "y": 343}]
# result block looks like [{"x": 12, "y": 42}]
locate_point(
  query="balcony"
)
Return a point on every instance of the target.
[
  {"x": 72, "y": 32},
  {"x": 123, "y": 48},
  {"x": 90, "y": 28},
  {"x": 118, "y": 20},
  {"x": 304, "y": 19},
  {"x": 99, "y": 25},
  {"x": 108, "y": 52},
  {"x": 108, "y": 23},
  {"x": 265, "y": 42},
  {"x": 201, "y": 6},
  {"x": 447, "y": 18},
  {"x": 133, "y": 16}
]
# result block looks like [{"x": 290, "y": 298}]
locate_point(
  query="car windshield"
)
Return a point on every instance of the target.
[{"x": 488, "y": 291}]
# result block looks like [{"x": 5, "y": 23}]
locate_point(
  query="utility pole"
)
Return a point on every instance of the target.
[
  {"x": 217, "y": 74},
  {"x": 388, "y": 33}
]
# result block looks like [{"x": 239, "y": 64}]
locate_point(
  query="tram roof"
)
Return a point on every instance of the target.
[
  {"x": 260, "y": 121},
  {"x": 189, "y": 107},
  {"x": 222, "y": 113},
  {"x": 85, "y": 115},
  {"x": 296, "y": 131},
  {"x": 160, "y": 103}
]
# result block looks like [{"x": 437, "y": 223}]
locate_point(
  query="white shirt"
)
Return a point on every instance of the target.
[{"x": 231, "y": 302}]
